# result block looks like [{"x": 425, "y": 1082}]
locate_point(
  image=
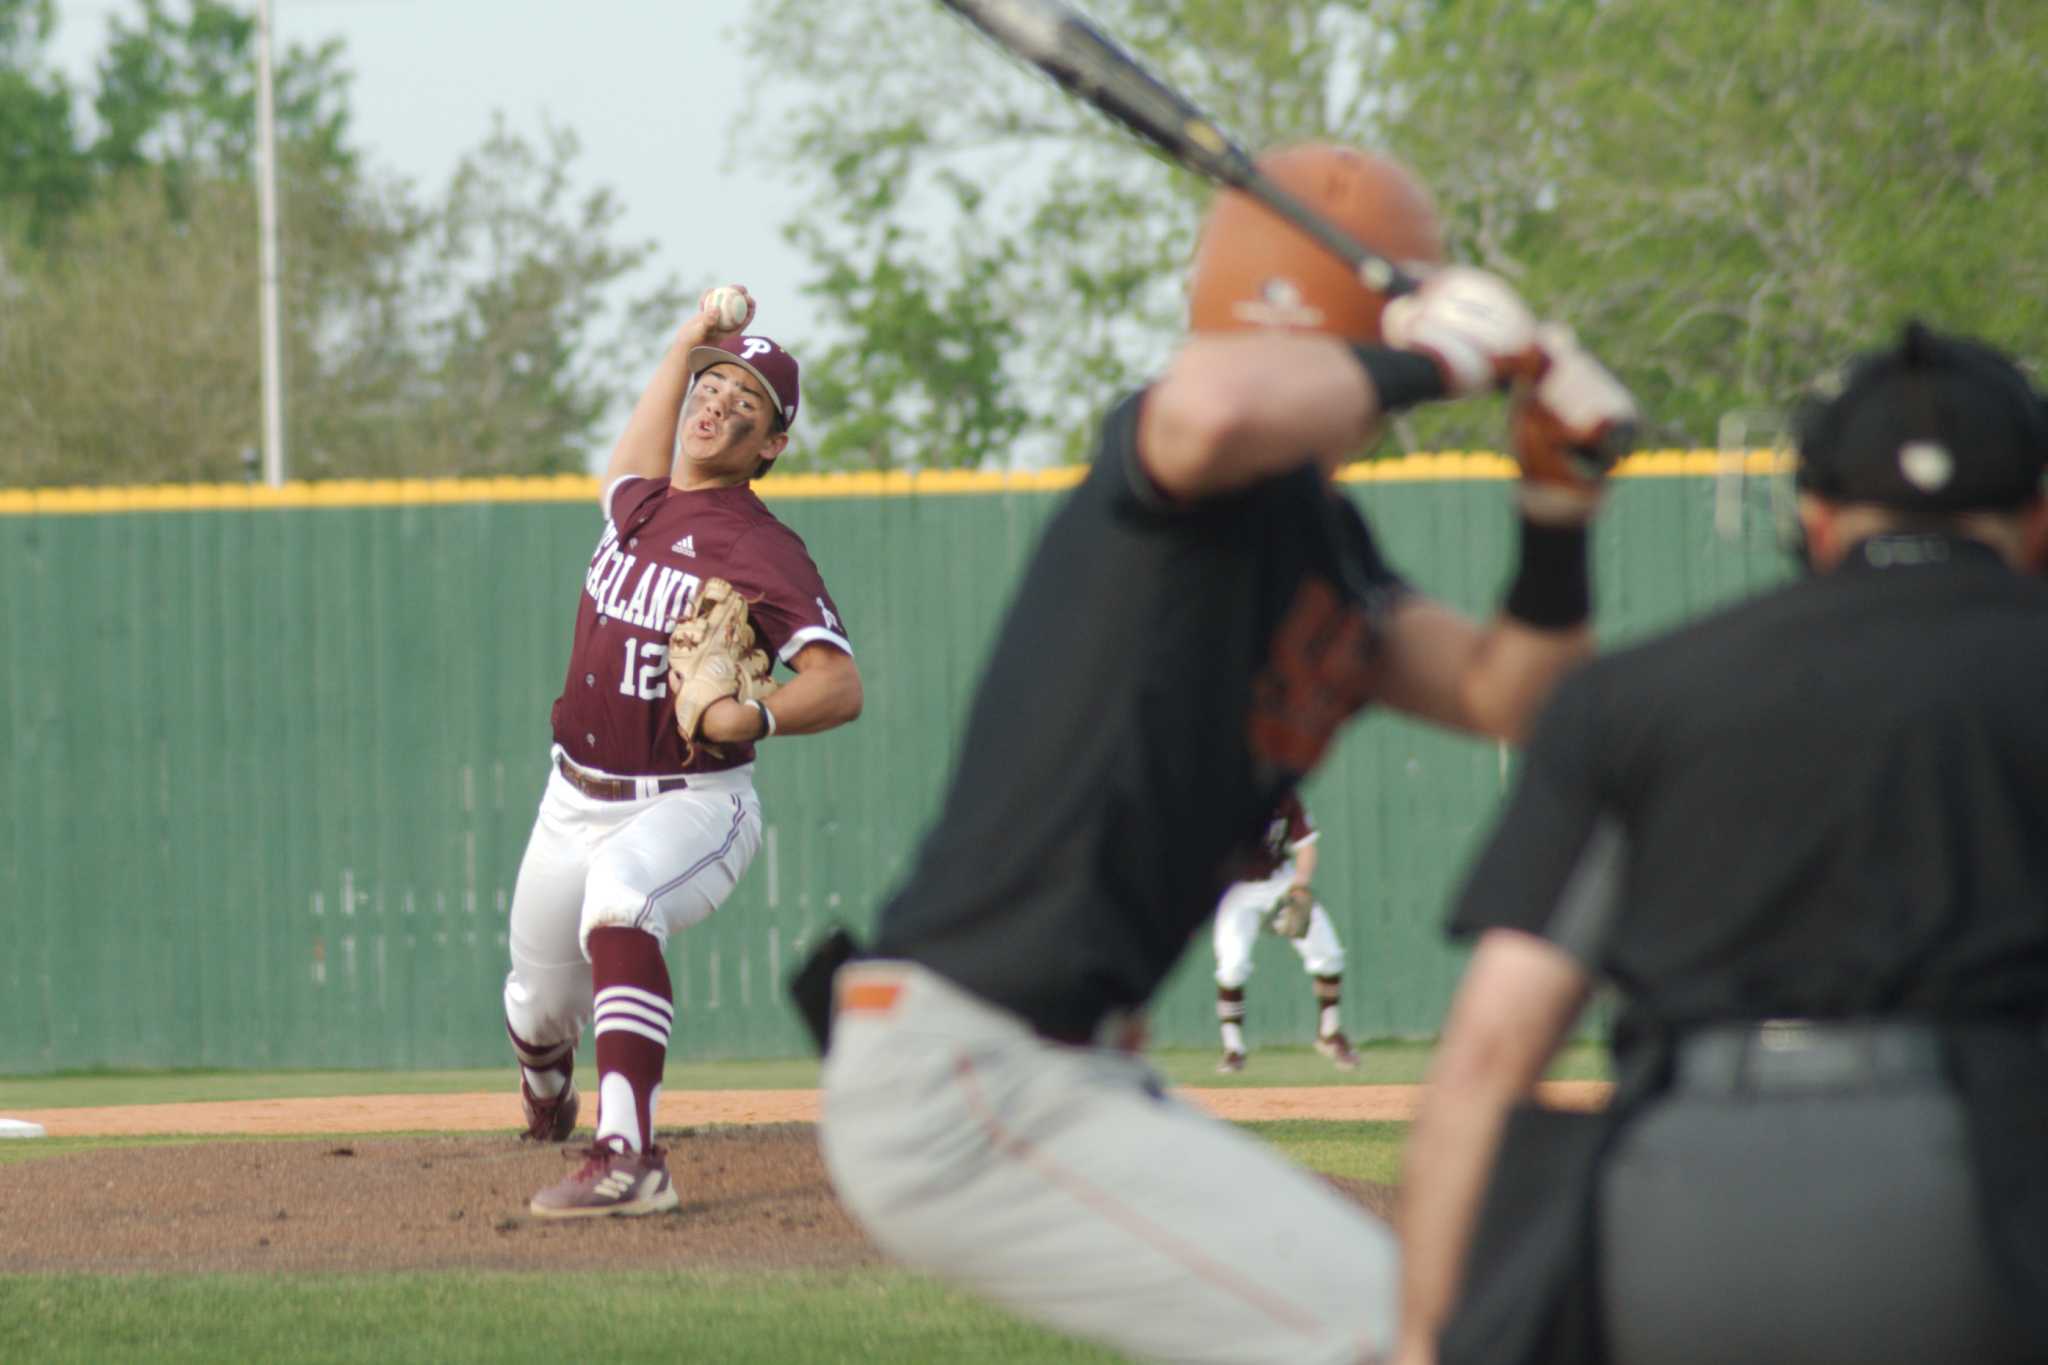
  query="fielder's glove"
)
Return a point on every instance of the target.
[
  {"x": 711, "y": 654},
  {"x": 1290, "y": 913}
]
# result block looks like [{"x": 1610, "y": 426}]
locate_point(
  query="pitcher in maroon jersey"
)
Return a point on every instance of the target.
[{"x": 637, "y": 836}]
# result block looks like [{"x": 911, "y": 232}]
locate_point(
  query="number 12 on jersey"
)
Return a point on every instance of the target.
[{"x": 646, "y": 671}]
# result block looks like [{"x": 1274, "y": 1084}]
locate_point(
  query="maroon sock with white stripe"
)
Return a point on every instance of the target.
[
  {"x": 635, "y": 1011},
  {"x": 545, "y": 1070}
]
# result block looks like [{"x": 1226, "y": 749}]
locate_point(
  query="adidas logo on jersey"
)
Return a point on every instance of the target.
[{"x": 686, "y": 546}]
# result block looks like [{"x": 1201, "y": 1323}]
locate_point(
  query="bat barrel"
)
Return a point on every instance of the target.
[{"x": 1086, "y": 63}]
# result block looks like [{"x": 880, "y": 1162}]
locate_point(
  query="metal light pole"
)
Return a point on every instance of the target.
[{"x": 266, "y": 214}]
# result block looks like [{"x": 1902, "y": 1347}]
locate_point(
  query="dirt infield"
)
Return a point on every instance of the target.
[
  {"x": 499, "y": 1111},
  {"x": 746, "y": 1163},
  {"x": 753, "y": 1197}
]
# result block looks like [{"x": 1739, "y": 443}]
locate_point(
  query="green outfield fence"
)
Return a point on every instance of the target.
[{"x": 271, "y": 755}]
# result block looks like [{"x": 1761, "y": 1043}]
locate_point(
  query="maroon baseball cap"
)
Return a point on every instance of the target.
[{"x": 760, "y": 357}]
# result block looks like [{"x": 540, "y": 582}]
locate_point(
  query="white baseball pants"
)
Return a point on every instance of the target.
[
  {"x": 1240, "y": 919},
  {"x": 1063, "y": 1183},
  {"x": 660, "y": 864}
]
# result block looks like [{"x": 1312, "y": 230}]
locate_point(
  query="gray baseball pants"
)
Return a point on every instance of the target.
[
  {"x": 1063, "y": 1183},
  {"x": 1823, "y": 1226}
]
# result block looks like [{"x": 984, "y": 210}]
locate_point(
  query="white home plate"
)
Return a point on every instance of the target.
[{"x": 19, "y": 1128}]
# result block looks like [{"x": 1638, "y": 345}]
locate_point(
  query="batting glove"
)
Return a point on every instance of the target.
[
  {"x": 1470, "y": 322},
  {"x": 1573, "y": 423}
]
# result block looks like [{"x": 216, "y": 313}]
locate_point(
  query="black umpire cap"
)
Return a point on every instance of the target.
[{"x": 1936, "y": 424}]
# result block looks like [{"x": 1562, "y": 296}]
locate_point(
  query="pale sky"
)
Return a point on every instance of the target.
[{"x": 652, "y": 88}]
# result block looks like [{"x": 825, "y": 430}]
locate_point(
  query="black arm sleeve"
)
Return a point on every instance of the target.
[{"x": 1131, "y": 490}]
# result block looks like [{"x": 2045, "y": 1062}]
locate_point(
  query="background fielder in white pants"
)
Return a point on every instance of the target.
[
  {"x": 1286, "y": 858},
  {"x": 1241, "y": 918},
  {"x": 1066, "y": 1184}
]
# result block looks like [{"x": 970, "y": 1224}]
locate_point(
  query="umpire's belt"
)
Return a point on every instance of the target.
[
  {"x": 1794, "y": 1055},
  {"x": 603, "y": 787}
]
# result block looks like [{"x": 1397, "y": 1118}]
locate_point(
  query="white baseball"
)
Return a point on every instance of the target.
[{"x": 729, "y": 305}]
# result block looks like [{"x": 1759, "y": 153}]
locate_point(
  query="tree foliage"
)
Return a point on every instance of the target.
[
  {"x": 507, "y": 286},
  {"x": 1729, "y": 199},
  {"x": 1723, "y": 199},
  {"x": 43, "y": 173},
  {"x": 468, "y": 330},
  {"x": 996, "y": 258},
  {"x": 178, "y": 93}
]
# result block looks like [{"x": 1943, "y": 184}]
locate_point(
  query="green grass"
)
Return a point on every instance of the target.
[
  {"x": 792, "y": 1319},
  {"x": 1378, "y": 1064},
  {"x": 1359, "y": 1151},
  {"x": 1394, "y": 1063}
]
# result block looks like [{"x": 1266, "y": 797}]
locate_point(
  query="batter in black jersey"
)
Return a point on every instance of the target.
[
  {"x": 1166, "y": 671},
  {"x": 1200, "y": 618}
]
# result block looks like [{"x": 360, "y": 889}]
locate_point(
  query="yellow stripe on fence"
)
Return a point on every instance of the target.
[{"x": 1443, "y": 467}]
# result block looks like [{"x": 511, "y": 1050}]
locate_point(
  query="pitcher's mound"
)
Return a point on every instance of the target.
[{"x": 754, "y": 1197}]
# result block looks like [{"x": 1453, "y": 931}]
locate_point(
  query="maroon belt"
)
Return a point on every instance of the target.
[{"x": 611, "y": 788}]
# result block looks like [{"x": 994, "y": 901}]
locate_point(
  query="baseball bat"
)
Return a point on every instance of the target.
[{"x": 1085, "y": 63}]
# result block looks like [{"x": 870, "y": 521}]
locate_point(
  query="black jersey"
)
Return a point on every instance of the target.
[
  {"x": 1830, "y": 801},
  {"x": 1163, "y": 677}
]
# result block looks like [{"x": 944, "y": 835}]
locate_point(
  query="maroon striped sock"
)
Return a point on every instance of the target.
[
  {"x": 544, "y": 1069},
  {"x": 635, "y": 1011}
]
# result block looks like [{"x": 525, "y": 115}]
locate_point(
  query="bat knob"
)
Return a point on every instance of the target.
[{"x": 1593, "y": 461}]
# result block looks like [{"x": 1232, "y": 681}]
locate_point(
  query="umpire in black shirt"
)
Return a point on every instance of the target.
[{"x": 1807, "y": 841}]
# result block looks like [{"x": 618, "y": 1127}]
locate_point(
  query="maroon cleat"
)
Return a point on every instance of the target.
[
  {"x": 549, "y": 1120},
  {"x": 611, "y": 1184}
]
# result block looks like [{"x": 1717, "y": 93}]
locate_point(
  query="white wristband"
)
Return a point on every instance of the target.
[{"x": 767, "y": 718}]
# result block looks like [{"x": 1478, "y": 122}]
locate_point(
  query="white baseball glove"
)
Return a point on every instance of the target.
[{"x": 1470, "y": 322}]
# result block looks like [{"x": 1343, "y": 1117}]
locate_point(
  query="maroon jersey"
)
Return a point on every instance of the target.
[
  {"x": 1288, "y": 830},
  {"x": 659, "y": 545}
]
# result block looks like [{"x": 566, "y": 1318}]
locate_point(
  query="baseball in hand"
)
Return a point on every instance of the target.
[{"x": 730, "y": 305}]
